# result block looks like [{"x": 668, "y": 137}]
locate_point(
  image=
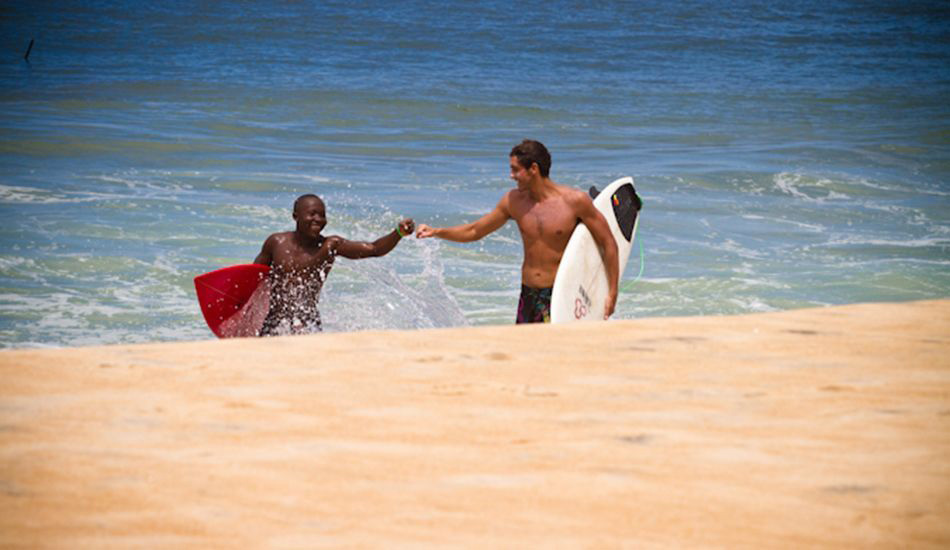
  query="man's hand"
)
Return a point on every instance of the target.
[
  {"x": 423, "y": 231},
  {"x": 609, "y": 305},
  {"x": 405, "y": 227}
]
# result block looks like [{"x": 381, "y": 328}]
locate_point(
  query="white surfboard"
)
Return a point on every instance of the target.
[{"x": 580, "y": 286}]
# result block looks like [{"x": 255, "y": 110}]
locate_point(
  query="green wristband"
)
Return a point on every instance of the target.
[{"x": 399, "y": 231}]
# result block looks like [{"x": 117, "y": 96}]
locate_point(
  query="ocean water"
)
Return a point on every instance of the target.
[{"x": 789, "y": 154}]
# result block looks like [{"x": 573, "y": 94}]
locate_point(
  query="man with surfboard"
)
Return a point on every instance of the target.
[
  {"x": 300, "y": 261},
  {"x": 546, "y": 213}
]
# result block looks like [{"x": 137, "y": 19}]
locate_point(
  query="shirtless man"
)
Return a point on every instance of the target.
[
  {"x": 300, "y": 261},
  {"x": 546, "y": 213}
]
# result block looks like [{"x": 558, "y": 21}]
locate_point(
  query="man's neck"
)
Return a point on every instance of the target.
[
  {"x": 541, "y": 189},
  {"x": 306, "y": 241}
]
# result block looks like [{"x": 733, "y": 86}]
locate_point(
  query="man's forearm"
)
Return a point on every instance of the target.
[
  {"x": 612, "y": 265},
  {"x": 385, "y": 244},
  {"x": 459, "y": 233}
]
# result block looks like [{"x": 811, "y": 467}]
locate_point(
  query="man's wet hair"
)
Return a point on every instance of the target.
[
  {"x": 307, "y": 196},
  {"x": 530, "y": 151}
]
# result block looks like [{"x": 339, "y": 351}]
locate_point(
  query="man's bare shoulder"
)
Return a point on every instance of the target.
[
  {"x": 575, "y": 198},
  {"x": 511, "y": 198},
  {"x": 512, "y": 195},
  {"x": 279, "y": 238}
]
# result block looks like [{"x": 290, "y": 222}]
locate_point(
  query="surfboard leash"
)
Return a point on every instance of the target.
[{"x": 640, "y": 240}]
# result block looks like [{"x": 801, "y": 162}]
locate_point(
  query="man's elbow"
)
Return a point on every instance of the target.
[
  {"x": 369, "y": 253},
  {"x": 610, "y": 245}
]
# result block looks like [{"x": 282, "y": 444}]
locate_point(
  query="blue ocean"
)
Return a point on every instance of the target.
[{"x": 788, "y": 154}]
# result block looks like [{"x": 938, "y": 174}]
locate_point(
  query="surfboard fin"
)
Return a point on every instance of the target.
[{"x": 593, "y": 192}]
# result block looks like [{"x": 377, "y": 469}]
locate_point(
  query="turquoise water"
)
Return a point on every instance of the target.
[{"x": 788, "y": 155}]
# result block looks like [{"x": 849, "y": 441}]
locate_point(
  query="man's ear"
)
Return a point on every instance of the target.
[
  {"x": 295, "y": 215},
  {"x": 534, "y": 169}
]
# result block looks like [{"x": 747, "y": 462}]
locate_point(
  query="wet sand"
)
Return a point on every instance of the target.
[{"x": 819, "y": 428}]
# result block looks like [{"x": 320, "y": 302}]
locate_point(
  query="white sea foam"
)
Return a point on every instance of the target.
[
  {"x": 763, "y": 283},
  {"x": 10, "y": 262},
  {"x": 21, "y": 195},
  {"x": 27, "y": 195},
  {"x": 751, "y": 304},
  {"x": 291, "y": 176},
  {"x": 137, "y": 183},
  {"x": 811, "y": 227},
  {"x": 806, "y": 187},
  {"x": 265, "y": 213},
  {"x": 729, "y": 245},
  {"x": 902, "y": 243}
]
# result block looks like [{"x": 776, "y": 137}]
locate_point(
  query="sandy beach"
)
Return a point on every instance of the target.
[{"x": 818, "y": 428}]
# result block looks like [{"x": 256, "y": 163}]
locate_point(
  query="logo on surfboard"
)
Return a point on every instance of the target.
[{"x": 581, "y": 303}]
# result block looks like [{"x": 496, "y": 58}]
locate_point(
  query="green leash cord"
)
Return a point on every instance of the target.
[{"x": 639, "y": 240}]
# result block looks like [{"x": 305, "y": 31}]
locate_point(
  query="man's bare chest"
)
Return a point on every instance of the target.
[
  {"x": 549, "y": 221},
  {"x": 297, "y": 259}
]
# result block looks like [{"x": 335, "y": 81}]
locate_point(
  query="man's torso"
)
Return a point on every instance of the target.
[
  {"x": 546, "y": 227},
  {"x": 296, "y": 279}
]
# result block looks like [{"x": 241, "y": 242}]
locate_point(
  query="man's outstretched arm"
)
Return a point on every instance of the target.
[
  {"x": 355, "y": 250},
  {"x": 469, "y": 232}
]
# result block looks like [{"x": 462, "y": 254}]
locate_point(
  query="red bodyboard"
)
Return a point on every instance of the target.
[{"x": 234, "y": 300}]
